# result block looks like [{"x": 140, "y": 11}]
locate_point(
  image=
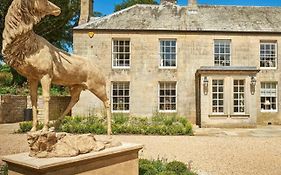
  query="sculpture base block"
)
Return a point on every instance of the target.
[{"x": 117, "y": 160}]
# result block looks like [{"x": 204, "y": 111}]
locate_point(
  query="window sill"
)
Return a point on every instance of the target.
[
  {"x": 269, "y": 111},
  {"x": 120, "y": 112},
  {"x": 121, "y": 67},
  {"x": 168, "y": 67},
  {"x": 268, "y": 68},
  {"x": 218, "y": 116},
  {"x": 168, "y": 111},
  {"x": 240, "y": 116}
]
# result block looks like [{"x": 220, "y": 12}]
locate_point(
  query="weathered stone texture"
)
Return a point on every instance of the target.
[
  {"x": 194, "y": 49},
  {"x": 12, "y": 108},
  {"x": 50, "y": 144},
  {"x": 57, "y": 105}
]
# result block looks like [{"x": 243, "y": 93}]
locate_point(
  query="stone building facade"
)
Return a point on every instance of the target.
[{"x": 217, "y": 65}]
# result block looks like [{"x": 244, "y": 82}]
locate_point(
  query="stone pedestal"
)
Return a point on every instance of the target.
[{"x": 119, "y": 160}]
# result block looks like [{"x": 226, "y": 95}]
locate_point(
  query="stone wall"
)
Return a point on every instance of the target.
[
  {"x": 12, "y": 108},
  {"x": 57, "y": 106}
]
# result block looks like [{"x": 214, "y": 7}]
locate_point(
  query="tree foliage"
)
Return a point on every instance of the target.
[
  {"x": 129, "y": 3},
  {"x": 57, "y": 30}
]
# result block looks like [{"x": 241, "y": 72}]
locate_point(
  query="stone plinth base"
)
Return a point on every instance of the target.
[{"x": 119, "y": 160}]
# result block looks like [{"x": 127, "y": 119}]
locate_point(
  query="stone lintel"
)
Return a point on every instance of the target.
[{"x": 227, "y": 70}]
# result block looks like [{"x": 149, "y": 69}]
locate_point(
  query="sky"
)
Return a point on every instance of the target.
[{"x": 107, "y": 6}]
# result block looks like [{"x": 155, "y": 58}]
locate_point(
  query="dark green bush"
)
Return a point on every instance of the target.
[
  {"x": 147, "y": 169},
  {"x": 167, "y": 173},
  {"x": 160, "y": 167},
  {"x": 26, "y": 126},
  {"x": 4, "y": 169},
  {"x": 177, "y": 167}
]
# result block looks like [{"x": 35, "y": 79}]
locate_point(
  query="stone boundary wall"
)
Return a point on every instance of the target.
[
  {"x": 57, "y": 106},
  {"x": 12, "y": 108}
]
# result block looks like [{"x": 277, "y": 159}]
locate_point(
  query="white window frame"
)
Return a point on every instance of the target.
[
  {"x": 112, "y": 96},
  {"x": 176, "y": 96},
  {"x": 112, "y": 55},
  {"x": 214, "y": 51},
  {"x": 276, "y": 89},
  {"x": 239, "y": 99},
  {"x": 161, "y": 66},
  {"x": 276, "y": 53},
  {"x": 218, "y": 99}
]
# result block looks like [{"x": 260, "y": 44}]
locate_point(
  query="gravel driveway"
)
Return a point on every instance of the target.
[{"x": 224, "y": 155}]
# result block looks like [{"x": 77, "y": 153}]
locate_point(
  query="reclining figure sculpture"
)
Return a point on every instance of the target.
[{"x": 37, "y": 60}]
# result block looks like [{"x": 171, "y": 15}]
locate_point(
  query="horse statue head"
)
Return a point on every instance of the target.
[{"x": 23, "y": 15}]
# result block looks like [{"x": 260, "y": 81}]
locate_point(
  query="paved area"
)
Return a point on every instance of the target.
[
  {"x": 260, "y": 131},
  {"x": 231, "y": 153}
]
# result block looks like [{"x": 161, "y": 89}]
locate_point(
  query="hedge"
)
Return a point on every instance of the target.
[{"x": 124, "y": 124}]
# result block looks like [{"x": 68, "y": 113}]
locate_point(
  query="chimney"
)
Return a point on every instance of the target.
[
  {"x": 86, "y": 11},
  {"x": 192, "y": 2},
  {"x": 171, "y": 1}
]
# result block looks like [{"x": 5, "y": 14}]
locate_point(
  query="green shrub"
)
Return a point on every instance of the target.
[
  {"x": 4, "y": 169},
  {"x": 120, "y": 118},
  {"x": 121, "y": 124},
  {"x": 160, "y": 167},
  {"x": 177, "y": 167},
  {"x": 26, "y": 126},
  {"x": 147, "y": 169},
  {"x": 167, "y": 173}
]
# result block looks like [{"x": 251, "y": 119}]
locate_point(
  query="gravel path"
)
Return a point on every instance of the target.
[{"x": 214, "y": 155}]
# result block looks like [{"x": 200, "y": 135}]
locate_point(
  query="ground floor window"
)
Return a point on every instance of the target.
[
  {"x": 217, "y": 96},
  {"x": 120, "y": 96},
  {"x": 239, "y": 96},
  {"x": 268, "y": 96},
  {"x": 167, "y": 96}
]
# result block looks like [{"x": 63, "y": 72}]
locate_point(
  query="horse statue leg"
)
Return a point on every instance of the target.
[
  {"x": 46, "y": 86},
  {"x": 33, "y": 86},
  {"x": 100, "y": 92},
  {"x": 108, "y": 115},
  {"x": 75, "y": 95}
]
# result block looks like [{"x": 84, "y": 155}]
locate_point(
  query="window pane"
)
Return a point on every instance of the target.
[
  {"x": 268, "y": 54},
  {"x": 222, "y": 52},
  {"x": 217, "y": 91},
  {"x": 167, "y": 96},
  {"x": 238, "y": 95},
  {"x": 168, "y": 53},
  {"x": 120, "y": 96},
  {"x": 268, "y": 96},
  {"x": 121, "y": 53}
]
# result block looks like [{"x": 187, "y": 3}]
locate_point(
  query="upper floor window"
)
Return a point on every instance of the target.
[
  {"x": 222, "y": 52},
  {"x": 269, "y": 97},
  {"x": 120, "y": 96},
  {"x": 167, "y": 96},
  {"x": 168, "y": 53},
  {"x": 121, "y": 53},
  {"x": 268, "y": 54}
]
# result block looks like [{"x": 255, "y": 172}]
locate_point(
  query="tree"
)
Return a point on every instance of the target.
[{"x": 129, "y": 3}]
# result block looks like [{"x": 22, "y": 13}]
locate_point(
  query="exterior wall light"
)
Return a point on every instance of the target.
[
  {"x": 253, "y": 85},
  {"x": 205, "y": 85}
]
